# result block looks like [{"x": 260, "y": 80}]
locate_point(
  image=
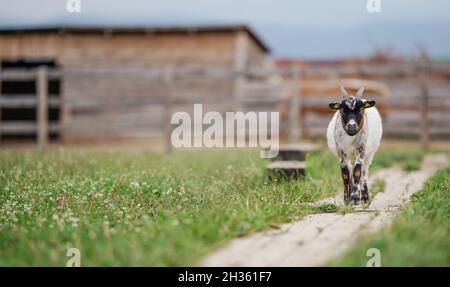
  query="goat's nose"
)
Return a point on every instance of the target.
[{"x": 351, "y": 127}]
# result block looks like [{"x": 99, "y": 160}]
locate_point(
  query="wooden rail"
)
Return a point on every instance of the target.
[
  {"x": 252, "y": 88},
  {"x": 41, "y": 101}
]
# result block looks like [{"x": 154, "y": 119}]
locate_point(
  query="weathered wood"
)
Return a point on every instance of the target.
[
  {"x": 424, "y": 106},
  {"x": 291, "y": 169},
  {"x": 25, "y": 128},
  {"x": 114, "y": 94},
  {"x": 26, "y": 101},
  {"x": 1, "y": 121},
  {"x": 239, "y": 66},
  {"x": 295, "y": 152},
  {"x": 398, "y": 70},
  {"x": 168, "y": 79},
  {"x": 27, "y": 75},
  {"x": 42, "y": 107},
  {"x": 296, "y": 133},
  {"x": 128, "y": 69}
]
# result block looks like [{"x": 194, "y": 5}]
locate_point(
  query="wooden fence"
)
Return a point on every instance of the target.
[
  {"x": 419, "y": 102},
  {"x": 418, "y": 99},
  {"x": 40, "y": 101}
]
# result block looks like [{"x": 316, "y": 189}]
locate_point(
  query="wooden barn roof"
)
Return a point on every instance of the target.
[{"x": 143, "y": 30}]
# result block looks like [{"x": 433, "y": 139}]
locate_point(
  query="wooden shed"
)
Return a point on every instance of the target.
[{"x": 102, "y": 81}]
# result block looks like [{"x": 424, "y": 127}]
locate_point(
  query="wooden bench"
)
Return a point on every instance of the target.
[{"x": 290, "y": 160}]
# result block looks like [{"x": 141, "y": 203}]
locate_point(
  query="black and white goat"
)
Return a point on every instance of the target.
[{"x": 354, "y": 135}]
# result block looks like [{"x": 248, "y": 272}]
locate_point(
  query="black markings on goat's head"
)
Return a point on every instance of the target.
[{"x": 352, "y": 110}]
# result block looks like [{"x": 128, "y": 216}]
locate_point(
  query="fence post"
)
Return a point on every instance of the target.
[
  {"x": 42, "y": 106},
  {"x": 168, "y": 77},
  {"x": 240, "y": 68},
  {"x": 1, "y": 81},
  {"x": 296, "y": 131},
  {"x": 424, "y": 106}
]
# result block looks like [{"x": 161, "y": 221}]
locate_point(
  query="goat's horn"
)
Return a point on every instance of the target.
[
  {"x": 343, "y": 92},
  {"x": 360, "y": 92}
]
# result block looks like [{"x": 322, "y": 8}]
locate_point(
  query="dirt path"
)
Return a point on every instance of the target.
[{"x": 320, "y": 237}]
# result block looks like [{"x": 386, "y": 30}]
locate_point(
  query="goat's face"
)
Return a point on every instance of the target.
[{"x": 352, "y": 111}]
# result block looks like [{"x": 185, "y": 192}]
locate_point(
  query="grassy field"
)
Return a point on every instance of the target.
[
  {"x": 144, "y": 208},
  {"x": 420, "y": 236}
]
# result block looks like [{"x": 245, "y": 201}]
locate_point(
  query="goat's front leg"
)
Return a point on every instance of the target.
[
  {"x": 346, "y": 178},
  {"x": 365, "y": 188},
  {"x": 357, "y": 175},
  {"x": 365, "y": 195}
]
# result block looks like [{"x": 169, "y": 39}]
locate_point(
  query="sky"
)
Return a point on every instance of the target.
[{"x": 320, "y": 29}]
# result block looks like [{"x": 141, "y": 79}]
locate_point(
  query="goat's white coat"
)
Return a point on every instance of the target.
[
  {"x": 369, "y": 136},
  {"x": 359, "y": 149}
]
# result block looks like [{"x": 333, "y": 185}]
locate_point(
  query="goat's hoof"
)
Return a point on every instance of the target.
[
  {"x": 346, "y": 199},
  {"x": 365, "y": 198},
  {"x": 354, "y": 198}
]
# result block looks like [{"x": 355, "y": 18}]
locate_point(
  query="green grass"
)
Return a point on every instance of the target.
[
  {"x": 408, "y": 159},
  {"x": 420, "y": 236},
  {"x": 144, "y": 208},
  {"x": 378, "y": 186}
]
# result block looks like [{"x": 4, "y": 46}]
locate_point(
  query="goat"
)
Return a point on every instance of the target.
[{"x": 354, "y": 135}]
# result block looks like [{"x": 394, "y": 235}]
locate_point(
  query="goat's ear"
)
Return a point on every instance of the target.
[
  {"x": 369, "y": 104},
  {"x": 335, "y": 106}
]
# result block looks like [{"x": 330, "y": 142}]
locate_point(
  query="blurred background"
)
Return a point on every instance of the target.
[{"x": 75, "y": 72}]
